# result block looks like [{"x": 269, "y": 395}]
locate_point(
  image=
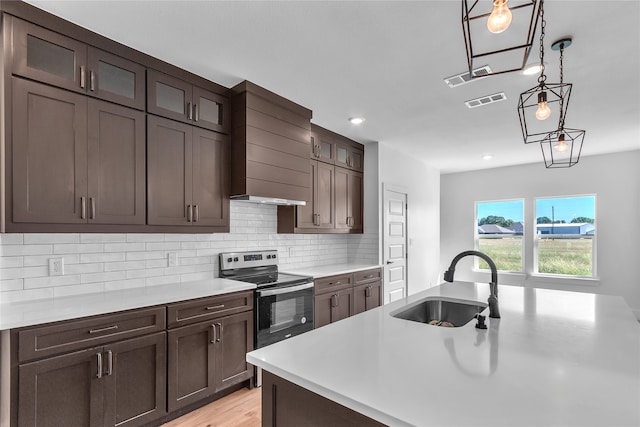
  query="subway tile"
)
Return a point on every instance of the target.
[
  {"x": 133, "y": 256},
  {"x": 180, "y": 237},
  {"x": 103, "y": 257},
  {"x": 195, "y": 260},
  {"x": 102, "y": 238},
  {"x": 77, "y": 248},
  {"x": 162, "y": 280},
  {"x": 195, "y": 245},
  {"x": 85, "y": 268},
  {"x": 11, "y": 285},
  {"x": 102, "y": 277},
  {"x": 144, "y": 237},
  {"x": 43, "y": 238},
  {"x": 147, "y": 272},
  {"x": 162, "y": 246},
  {"x": 123, "y": 247},
  {"x": 51, "y": 281},
  {"x": 190, "y": 277},
  {"x": 23, "y": 272},
  {"x": 13, "y": 250},
  {"x": 11, "y": 239},
  {"x": 11, "y": 261},
  {"x": 156, "y": 263},
  {"x": 125, "y": 265}
]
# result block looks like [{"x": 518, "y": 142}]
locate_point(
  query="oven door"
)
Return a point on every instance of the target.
[{"x": 283, "y": 312}]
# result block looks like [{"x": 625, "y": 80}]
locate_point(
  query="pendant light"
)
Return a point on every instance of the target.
[
  {"x": 542, "y": 108},
  {"x": 562, "y": 147},
  {"x": 499, "y": 32}
]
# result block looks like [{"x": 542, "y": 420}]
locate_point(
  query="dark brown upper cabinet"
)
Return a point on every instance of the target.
[
  {"x": 52, "y": 58},
  {"x": 75, "y": 159},
  {"x": 177, "y": 99},
  {"x": 322, "y": 145},
  {"x": 349, "y": 200},
  {"x": 187, "y": 179},
  {"x": 349, "y": 155}
]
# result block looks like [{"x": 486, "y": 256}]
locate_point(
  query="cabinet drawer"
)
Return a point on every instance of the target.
[
  {"x": 62, "y": 337},
  {"x": 333, "y": 283},
  {"x": 365, "y": 276},
  {"x": 189, "y": 312}
]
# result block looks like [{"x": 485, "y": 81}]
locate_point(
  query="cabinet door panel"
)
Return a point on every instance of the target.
[
  {"x": 356, "y": 190},
  {"x": 116, "y": 164},
  {"x": 342, "y": 197},
  {"x": 333, "y": 306},
  {"x": 325, "y": 195},
  {"x": 236, "y": 340},
  {"x": 48, "y": 57},
  {"x": 169, "y": 171},
  {"x": 305, "y": 215},
  {"x": 190, "y": 364},
  {"x": 367, "y": 296},
  {"x": 210, "y": 178},
  {"x": 49, "y": 142},
  {"x": 322, "y": 310},
  {"x": 357, "y": 159},
  {"x": 61, "y": 391},
  {"x": 211, "y": 111},
  {"x": 135, "y": 381},
  {"x": 344, "y": 306},
  {"x": 168, "y": 96},
  {"x": 116, "y": 79}
]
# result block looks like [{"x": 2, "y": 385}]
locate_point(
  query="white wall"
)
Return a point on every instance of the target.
[
  {"x": 422, "y": 184},
  {"x": 98, "y": 262},
  {"x": 614, "y": 178}
]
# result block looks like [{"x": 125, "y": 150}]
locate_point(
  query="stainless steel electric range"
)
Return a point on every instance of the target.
[{"x": 283, "y": 302}]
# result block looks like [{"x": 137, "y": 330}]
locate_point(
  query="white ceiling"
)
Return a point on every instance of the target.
[{"x": 386, "y": 60}]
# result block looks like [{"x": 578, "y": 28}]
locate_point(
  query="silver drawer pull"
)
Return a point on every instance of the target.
[
  {"x": 215, "y": 307},
  {"x": 109, "y": 362},
  {"x": 339, "y": 282},
  {"x": 368, "y": 277},
  {"x": 108, "y": 328},
  {"x": 99, "y": 374}
]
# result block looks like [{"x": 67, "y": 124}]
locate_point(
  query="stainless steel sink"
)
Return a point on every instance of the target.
[{"x": 456, "y": 312}]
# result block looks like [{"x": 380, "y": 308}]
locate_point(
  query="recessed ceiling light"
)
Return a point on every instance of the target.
[
  {"x": 487, "y": 157},
  {"x": 356, "y": 120},
  {"x": 531, "y": 69}
]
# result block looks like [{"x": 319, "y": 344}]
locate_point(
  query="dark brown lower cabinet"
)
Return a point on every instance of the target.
[
  {"x": 367, "y": 296},
  {"x": 286, "y": 404},
  {"x": 333, "y": 306},
  {"x": 208, "y": 357},
  {"x": 120, "y": 384}
]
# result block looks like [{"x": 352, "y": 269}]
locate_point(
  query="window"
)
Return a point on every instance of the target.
[
  {"x": 499, "y": 231},
  {"x": 565, "y": 233}
]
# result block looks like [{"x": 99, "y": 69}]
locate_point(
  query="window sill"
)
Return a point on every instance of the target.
[{"x": 547, "y": 278}]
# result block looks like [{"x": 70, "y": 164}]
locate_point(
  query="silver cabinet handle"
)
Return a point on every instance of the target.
[
  {"x": 215, "y": 307},
  {"x": 196, "y": 213},
  {"x": 334, "y": 300},
  {"x": 195, "y": 112},
  {"x": 83, "y": 77},
  {"x": 92, "y": 208},
  {"x": 92, "y": 81},
  {"x": 99, "y": 374},
  {"x": 219, "y": 338},
  {"x": 108, "y": 328},
  {"x": 83, "y": 207},
  {"x": 213, "y": 334},
  {"x": 367, "y": 291},
  {"x": 189, "y": 114},
  {"x": 189, "y": 213},
  {"x": 339, "y": 282},
  {"x": 109, "y": 362}
]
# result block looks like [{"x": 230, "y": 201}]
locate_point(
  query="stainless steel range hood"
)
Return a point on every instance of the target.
[{"x": 268, "y": 200}]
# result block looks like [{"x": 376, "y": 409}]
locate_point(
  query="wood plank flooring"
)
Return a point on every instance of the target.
[{"x": 239, "y": 409}]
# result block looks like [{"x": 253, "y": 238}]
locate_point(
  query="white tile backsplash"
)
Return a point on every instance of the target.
[{"x": 98, "y": 262}]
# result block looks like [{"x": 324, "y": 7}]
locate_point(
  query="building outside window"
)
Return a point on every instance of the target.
[
  {"x": 499, "y": 231},
  {"x": 565, "y": 235}
]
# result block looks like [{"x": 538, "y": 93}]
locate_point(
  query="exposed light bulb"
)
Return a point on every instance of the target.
[
  {"x": 561, "y": 146},
  {"x": 500, "y": 17},
  {"x": 543, "y": 112}
]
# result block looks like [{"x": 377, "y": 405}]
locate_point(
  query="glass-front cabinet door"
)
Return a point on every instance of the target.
[
  {"x": 210, "y": 110},
  {"x": 115, "y": 79},
  {"x": 48, "y": 57},
  {"x": 168, "y": 96}
]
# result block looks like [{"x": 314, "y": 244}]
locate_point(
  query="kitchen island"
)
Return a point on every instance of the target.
[{"x": 553, "y": 358}]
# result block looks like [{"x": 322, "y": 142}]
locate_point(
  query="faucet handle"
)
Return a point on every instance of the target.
[{"x": 480, "y": 324}]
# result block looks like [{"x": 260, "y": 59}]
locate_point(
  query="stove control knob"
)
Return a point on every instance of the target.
[
  {"x": 229, "y": 259},
  {"x": 303, "y": 320},
  {"x": 273, "y": 256},
  {"x": 236, "y": 259},
  {"x": 268, "y": 256}
]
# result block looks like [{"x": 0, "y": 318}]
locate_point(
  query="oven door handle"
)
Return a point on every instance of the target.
[{"x": 285, "y": 290}]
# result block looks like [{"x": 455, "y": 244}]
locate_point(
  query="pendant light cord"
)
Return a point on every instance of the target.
[
  {"x": 542, "y": 77},
  {"x": 561, "y": 123}
]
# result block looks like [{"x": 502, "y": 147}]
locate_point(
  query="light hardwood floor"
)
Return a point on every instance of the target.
[{"x": 239, "y": 409}]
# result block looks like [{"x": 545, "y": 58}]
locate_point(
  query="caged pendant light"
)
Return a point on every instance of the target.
[
  {"x": 562, "y": 147},
  {"x": 499, "y": 32},
  {"x": 544, "y": 106}
]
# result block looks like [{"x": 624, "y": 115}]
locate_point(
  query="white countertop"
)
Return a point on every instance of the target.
[
  {"x": 29, "y": 313},
  {"x": 329, "y": 270},
  {"x": 554, "y": 358}
]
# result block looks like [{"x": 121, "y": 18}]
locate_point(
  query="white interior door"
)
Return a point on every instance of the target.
[{"x": 394, "y": 241}]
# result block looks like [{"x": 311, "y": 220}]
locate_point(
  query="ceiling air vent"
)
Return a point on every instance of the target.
[
  {"x": 486, "y": 100},
  {"x": 460, "y": 79}
]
